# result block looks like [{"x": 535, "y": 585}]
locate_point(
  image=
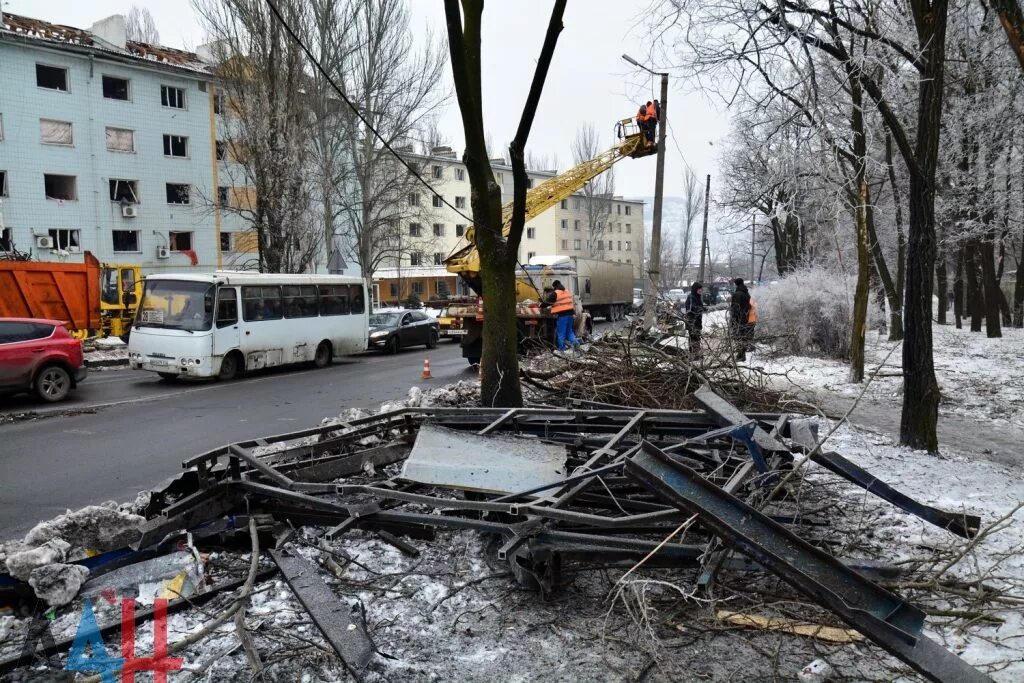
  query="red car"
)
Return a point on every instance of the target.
[{"x": 39, "y": 356}]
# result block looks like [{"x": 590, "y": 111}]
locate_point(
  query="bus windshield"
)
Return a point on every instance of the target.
[{"x": 176, "y": 305}]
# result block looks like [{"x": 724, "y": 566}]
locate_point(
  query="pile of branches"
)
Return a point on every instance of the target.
[{"x": 631, "y": 368}]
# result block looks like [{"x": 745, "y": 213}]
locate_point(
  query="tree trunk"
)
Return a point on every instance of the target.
[
  {"x": 920, "y": 415},
  {"x": 1012, "y": 19},
  {"x": 861, "y": 292},
  {"x": 958, "y": 289},
  {"x": 975, "y": 295},
  {"x": 888, "y": 288},
  {"x": 992, "y": 293},
  {"x": 901, "y": 244},
  {"x": 941, "y": 285}
]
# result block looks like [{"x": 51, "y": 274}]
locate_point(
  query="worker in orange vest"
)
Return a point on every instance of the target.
[
  {"x": 563, "y": 307},
  {"x": 641, "y": 116},
  {"x": 651, "y": 119}
]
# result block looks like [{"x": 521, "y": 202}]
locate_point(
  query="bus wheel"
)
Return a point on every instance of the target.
[
  {"x": 228, "y": 367},
  {"x": 323, "y": 355}
]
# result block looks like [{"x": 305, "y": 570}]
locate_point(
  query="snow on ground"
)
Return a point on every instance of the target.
[{"x": 980, "y": 378}]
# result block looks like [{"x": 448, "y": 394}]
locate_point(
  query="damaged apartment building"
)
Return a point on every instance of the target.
[{"x": 112, "y": 146}]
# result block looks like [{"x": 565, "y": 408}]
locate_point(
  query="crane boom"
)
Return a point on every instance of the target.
[{"x": 466, "y": 261}]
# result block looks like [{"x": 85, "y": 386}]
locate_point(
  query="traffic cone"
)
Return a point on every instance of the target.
[{"x": 426, "y": 369}]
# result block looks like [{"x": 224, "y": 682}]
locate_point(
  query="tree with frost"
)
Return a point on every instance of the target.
[{"x": 141, "y": 27}]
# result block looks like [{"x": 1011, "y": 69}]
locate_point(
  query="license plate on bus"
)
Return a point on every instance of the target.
[{"x": 455, "y": 333}]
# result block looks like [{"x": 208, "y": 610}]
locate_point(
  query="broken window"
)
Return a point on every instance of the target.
[
  {"x": 222, "y": 150},
  {"x": 438, "y": 229},
  {"x": 415, "y": 230},
  {"x": 334, "y": 300},
  {"x": 120, "y": 140},
  {"x": 126, "y": 240},
  {"x": 225, "y": 241},
  {"x": 460, "y": 202},
  {"x": 124, "y": 190},
  {"x": 180, "y": 241},
  {"x": 261, "y": 303},
  {"x": 300, "y": 301},
  {"x": 460, "y": 230},
  {"x": 115, "y": 88},
  {"x": 175, "y": 146},
  {"x": 172, "y": 97},
  {"x": 3, "y": 183},
  {"x": 437, "y": 201},
  {"x": 177, "y": 193},
  {"x": 65, "y": 239},
  {"x": 6, "y": 239},
  {"x": 61, "y": 187},
  {"x": 531, "y": 233},
  {"x": 437, "y": 172},
  {"x": 55, "y": 132},
  {"x": 52, "y": 77}
]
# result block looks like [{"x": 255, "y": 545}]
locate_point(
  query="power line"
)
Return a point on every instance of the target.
[{"x": 358, "y": 115}]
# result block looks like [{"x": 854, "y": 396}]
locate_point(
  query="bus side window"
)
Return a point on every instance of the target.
[
  {"x": 333, "y": 300},
  {"x": 300, "y": 301},
  {"x": 261, "y": 303},
  {"x": 355, "y": 295},
  {"x": 227, "y": 307}
]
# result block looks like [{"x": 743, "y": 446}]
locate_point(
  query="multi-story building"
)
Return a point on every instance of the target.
[
  {"x": 564, "y": 229},
  {"x": 111, "y": 146}
]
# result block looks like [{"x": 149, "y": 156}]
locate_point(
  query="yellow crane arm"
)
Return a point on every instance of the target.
[{"x": 466, "y": 261}]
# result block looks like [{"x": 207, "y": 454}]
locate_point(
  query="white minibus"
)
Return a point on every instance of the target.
[{"x": 223, "y": 323}]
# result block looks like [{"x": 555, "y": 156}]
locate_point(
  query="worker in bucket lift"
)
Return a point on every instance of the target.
[
  {"x": 563, "y": 307},
  {"x": 651, "y": 120}
]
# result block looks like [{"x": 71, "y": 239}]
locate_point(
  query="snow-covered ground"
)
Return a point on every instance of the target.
[{"x": 980, "y": 378}]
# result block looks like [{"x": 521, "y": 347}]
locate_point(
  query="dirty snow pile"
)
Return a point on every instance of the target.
[
  {"x": 980, "y": 378},
  {"x": 43, "y": 558},
  {"x": 107, "y": 350}
]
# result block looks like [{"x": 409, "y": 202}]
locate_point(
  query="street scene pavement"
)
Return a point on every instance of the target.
[{"x": 125, "y": 429}]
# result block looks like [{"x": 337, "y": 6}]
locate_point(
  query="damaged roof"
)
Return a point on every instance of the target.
[{"x": 59, "y": 35}]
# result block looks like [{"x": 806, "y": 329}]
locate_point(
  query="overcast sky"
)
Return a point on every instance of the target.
[{"x": 588, "y": 80}]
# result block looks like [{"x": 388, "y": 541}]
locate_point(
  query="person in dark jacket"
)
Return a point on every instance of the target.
[
  {"x": 740, "y": 324},
  {"x": 693, "y": 317}
]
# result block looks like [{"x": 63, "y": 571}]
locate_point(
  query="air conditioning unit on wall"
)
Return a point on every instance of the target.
[
  {"x": 161, "y": 252},
  {"x": 44, "y": 242},
  {"x": 129, "y": 211}
]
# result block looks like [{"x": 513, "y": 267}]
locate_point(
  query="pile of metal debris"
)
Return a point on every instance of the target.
[{"x": 556, "y": 493}]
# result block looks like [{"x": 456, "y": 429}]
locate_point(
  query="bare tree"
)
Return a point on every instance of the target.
[
  {"x": 498, "y": 252},
  {"x": 262, "y": 71},
  {"x": 599, "y": 192},
  {"x": 693, "y": 210},
  {"x": 141, "y": 27},
  {"x": 395, "y": 88}
]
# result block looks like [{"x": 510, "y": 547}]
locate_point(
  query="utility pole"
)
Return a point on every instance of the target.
[
  {"x": 753, "y": 238},
  {"x": 654, "y": 262},
  {"x": 704, "y": 236}
]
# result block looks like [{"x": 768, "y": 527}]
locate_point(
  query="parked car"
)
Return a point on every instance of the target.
[
  {"x": 394, "y": 330},
  {"x": 39, "y": 356}
]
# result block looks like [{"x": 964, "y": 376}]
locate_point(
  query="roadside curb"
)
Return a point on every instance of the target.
[{"x": 106, "y": 363}]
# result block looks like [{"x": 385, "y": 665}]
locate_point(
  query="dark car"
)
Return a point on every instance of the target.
[
  {"x": 390, "y": 331},
  {"x": 39, "y": 356}
]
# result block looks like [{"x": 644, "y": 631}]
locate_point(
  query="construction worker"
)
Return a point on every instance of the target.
[
  {"x": 651, "y": 119},
  {"x": 641, "y": 117},
  {"x": 563, "y": 307}
]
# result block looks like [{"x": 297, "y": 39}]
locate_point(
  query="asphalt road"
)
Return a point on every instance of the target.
[{"x": 124, "y": 431}]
